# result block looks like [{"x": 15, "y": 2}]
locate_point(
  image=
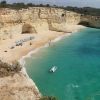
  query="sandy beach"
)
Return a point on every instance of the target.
[{"x": 9, "y": 54}]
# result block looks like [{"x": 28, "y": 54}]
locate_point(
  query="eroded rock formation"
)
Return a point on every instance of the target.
[
  {"x": 54, "y": 19},
  {"x": 27, "y": 28},
  {"x": 14, "y": 85}
]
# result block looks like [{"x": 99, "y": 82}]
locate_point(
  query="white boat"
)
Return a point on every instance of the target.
[{"x": 53, "y": 69}]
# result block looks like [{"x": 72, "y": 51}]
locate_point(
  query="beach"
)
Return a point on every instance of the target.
[{"x": 9, "y": 55}]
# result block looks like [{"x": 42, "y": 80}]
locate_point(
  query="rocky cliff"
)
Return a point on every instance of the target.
[
  {"x": 15, "y": 84},
  {"x": 44, "y": 18},
  {"x": 36, "y": 20}
]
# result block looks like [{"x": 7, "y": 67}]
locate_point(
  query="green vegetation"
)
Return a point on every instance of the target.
[
  {"x": 85, "y": 10},
  {"x": 48, "y": 98},
  {"x": 4, "y": 4}
]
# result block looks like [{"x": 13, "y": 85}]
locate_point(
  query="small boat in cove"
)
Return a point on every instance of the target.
[{"x": 53, "y": 69}]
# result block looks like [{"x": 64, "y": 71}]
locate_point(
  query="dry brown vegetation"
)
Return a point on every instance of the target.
[{"x": 7, "y": 69}]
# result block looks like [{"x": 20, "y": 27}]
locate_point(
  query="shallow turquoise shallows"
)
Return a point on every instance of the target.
[{"x": 78, "y": 60}]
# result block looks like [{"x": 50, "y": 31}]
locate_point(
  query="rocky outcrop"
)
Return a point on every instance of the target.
[
  {"x": 93, "y": 21},
  {"x": 55, "y": 19},
  {"x": 9, "y": 16},
  {"x": 9, "y": 70},
  {"x": 15, "y": 83},
  {"x": 18, "y": 87}
]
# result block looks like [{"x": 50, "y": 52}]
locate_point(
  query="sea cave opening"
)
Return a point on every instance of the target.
[
  {"x": 26, "y": 28},
  {"x": 84, "y": 23}
]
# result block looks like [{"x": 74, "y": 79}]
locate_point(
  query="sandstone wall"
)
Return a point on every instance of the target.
[
  {"x": 94, "y": 21},
  {"x": 42, "y": 18},
  {"x": 18, "y": 87}
]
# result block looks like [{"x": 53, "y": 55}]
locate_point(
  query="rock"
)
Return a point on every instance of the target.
[
  {"x": 18, "y": 87},
  {"x": 15, "y": 83},
  {"x": 35, "y": 19}
]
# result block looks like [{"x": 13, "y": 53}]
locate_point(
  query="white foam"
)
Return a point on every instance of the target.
[
  {"x": 72, "y": 85},
  {"x": 61, "y": 37},
  {"x": 22, "y": 60},
  {"x": 75, "y": 85}
]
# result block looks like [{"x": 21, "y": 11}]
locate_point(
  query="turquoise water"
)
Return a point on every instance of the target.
[{"x": 78, "y": 61}]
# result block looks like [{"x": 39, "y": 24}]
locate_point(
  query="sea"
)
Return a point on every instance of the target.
[{"x": 77, "y": 58}]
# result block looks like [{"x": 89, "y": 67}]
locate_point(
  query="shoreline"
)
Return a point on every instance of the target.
[
  {"x": 31, "y": 81},
  {"x": 20, "y": 53},
  {"x": 22, "y": 59}
]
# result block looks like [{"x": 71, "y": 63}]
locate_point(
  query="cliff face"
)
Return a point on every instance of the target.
[
  {"x": 44, "y": 18},
  {"x": 92, "y": 21},
  {"x": 33, "y": 20},
  {"x": 15, "y": 84},
  {"x": 18, "y": 87}
]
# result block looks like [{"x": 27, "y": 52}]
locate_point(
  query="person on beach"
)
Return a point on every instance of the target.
[
  {"x": 30, "y": 43},
  {"x": 49, "y": 42}
]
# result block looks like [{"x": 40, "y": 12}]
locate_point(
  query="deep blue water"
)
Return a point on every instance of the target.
[{"x": 78, "y": 61}]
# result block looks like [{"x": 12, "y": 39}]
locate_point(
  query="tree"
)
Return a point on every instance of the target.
[
  {"x": 18, "y": 5},
  {"x": 55, "y": 6},
  {"x": 47, "y": 5},
  {"x": 41, "y": 5},
  {"x": 30, "y": 4},
  {"x": 3, "y": 3}
]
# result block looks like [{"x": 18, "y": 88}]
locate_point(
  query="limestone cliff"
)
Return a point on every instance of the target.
[
  {"x": 33, "y": 20},
  {"x": 54, "y": 19},
  {"x": 15, "y": 84},
  {"x": 18, "y": 87}
]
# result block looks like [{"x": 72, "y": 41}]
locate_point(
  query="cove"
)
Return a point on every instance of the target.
[{"x": 78, "y": 60}]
